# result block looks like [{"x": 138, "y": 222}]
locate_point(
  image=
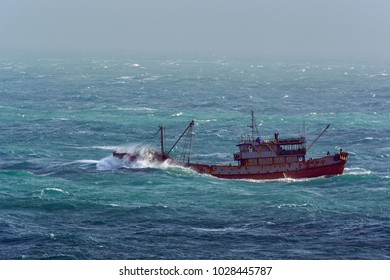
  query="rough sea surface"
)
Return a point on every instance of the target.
[{"x": 63, "y": 196}]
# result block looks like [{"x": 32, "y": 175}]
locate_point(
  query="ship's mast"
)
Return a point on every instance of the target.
[
  {"x": 162, "y": 141},
  {"x": 255, "y": 131}
]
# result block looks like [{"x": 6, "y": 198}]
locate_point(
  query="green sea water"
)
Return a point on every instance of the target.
[{"x": 63, "y": 196}]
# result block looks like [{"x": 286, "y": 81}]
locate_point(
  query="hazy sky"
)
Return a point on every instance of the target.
[{"x": 276, "y": 27}]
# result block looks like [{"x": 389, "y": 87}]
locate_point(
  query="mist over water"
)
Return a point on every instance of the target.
[{"x": 331, "y": 29}]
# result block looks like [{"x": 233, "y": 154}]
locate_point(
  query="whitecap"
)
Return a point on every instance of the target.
[
  {"x": 53, "y": 190},
  {"x": 110, "y": 148},
  {"x": 383, "y": 74},
  {"x": 357, "y": 171},
  {"x": 136, "y": 109},
  {"x": 145, "y": 159},
  {"x": 126, "y": 78},
  {"x": 292, "y": 205},
  {"x": 114, "y": 205},
  {"x": 177, "y": 114},
  {"x": 56, "y": 190},
  {"x": 60, "y": 119},
  {"x": 207, "y": 120},
  {"x": 152, "y": 78},
  {"x": 88, "y": 161},
  {"x": 109, "y": 163},
  {"x": 83, "y": 161}
]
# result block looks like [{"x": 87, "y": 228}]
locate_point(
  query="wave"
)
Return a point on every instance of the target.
[
  {"x": 220, "y": 230},
  {"x": 106, "y": 148},
  {"x": 109, "y": 163},
  {"x": 151, "y": 78},
  {"x": 206, "y": 120},
  {"x": 125, "y": 78},
  {"x": 80, "y": 161},
  {"x": 145, "y": 159},
  {"x": 177, "y": 114},
  {"x": 357, "y": 171},
  {"x": 293, "y": 205},
  {"x": 136, "y": 109},
  {"x": 87, "y": 161},
  {"x": 283, "y": 180},
  {"x": 51, "y": 192},
  {"x": 109, "y": 148}
]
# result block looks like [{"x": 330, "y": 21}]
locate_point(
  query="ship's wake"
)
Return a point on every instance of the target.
[{"x": 283, "y": 180}]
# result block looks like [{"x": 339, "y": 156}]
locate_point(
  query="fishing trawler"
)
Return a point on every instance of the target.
[{"x": 261, "y": 159}]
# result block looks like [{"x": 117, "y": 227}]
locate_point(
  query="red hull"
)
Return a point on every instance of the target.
[{"x": 305, "y": 172}]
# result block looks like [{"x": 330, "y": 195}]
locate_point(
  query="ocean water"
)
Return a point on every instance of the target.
[{"x": 63, "y": 196}]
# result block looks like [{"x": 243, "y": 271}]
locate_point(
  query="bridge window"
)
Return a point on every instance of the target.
[{"x": 244, "y": 148}]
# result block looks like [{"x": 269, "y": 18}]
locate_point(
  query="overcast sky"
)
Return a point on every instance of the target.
[{"x": 262, "y": 27}]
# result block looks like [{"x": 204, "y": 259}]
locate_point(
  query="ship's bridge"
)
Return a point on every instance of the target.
[
  {"x": 291, "y": 146},
  {"x": 274, "y": 150},
  {"x": 290, "y": 141}
]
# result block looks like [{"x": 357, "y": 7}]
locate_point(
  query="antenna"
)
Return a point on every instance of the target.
[{"x": 253, "y": 125}]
